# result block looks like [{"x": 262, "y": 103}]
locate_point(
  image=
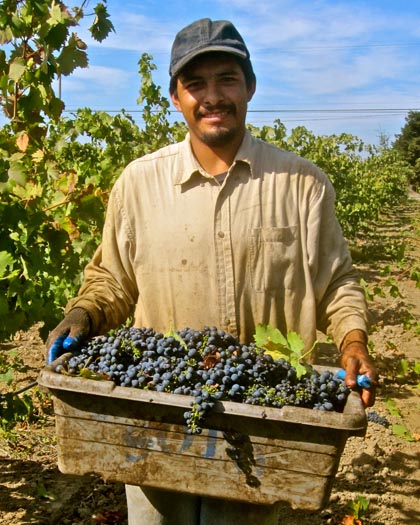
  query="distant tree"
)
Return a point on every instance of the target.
[{"x": 407, "y": 143}]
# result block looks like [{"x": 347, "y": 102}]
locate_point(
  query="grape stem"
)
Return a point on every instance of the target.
[{"x": 301, "y": 358}]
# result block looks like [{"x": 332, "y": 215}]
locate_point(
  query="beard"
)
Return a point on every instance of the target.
[{"x": 219, "y": 136}]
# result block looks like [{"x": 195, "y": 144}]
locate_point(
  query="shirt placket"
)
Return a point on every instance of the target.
[{"x": 224, "y": 263}]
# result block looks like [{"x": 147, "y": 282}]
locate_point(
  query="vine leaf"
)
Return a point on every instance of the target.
[
  {"x": 274, "y": 343},
  {"x": 102, "y": 25},
  {"x": 88, "y": 374},
  {"x": 402, "y": 431},
  {"x": 72, "y": 57},
  {"x": 16, "y": 69},
  {"x": 7, "y": 377},
  {"x": 391, "y": 405},
  {"x": 6, "y": 261},
  {"x": 172, "y": 333},
  {"x": 22, "y": 141}
]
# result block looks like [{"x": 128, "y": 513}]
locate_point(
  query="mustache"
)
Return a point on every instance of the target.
[{"x": 220, "y": 108}]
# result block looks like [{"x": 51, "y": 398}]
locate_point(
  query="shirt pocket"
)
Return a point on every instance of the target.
[{"x": 272, "y": 258}]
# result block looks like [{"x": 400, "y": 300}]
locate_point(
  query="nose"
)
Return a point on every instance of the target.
[{"x": 213, "y": 94}]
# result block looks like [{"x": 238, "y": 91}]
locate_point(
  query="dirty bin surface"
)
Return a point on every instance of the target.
[{"x": 139, "y": 437}]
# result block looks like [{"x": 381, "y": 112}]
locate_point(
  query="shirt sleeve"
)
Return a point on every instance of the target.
[
  {"x": 341, "y": 304},
  {"x": 109, "y": 291}
]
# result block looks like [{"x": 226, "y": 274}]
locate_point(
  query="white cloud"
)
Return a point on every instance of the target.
[
  {"x": 93, "y": 85},
  {"x": 306, "y": 53},
  {"x": 136, "y": 32},
  {"x": 328, "y": 48},
  {"x": 327, "y": 74}
]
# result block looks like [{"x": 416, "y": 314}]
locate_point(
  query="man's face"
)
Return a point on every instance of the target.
[{"x": 212, "y": 95}]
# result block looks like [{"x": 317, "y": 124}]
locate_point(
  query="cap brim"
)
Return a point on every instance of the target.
[{"x": 208, "y": 49}]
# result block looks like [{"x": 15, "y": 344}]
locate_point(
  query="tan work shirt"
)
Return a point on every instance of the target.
[{"x": 262, "y": 247}]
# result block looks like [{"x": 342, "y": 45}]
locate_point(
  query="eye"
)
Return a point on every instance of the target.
[
  {"x": 193, "y": 84},
  {"x": 229, "y": 79}
]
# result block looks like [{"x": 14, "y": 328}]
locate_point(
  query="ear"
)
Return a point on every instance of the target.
[
  {"x": 175, "y": 101},
  {"x": 251, "y": 89}
]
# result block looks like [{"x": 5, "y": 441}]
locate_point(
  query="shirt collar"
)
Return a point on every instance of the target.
[
  {"x": 245, "y": 152},
  {"x": 190, "y": 165}
]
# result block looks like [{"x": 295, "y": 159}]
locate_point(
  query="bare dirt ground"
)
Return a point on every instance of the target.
[{"x": 383, "y": 467}]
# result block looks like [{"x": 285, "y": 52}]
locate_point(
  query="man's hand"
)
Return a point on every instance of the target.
[
  {"x": 69, "y": 334},
  {"x": 355, "y": 360}
]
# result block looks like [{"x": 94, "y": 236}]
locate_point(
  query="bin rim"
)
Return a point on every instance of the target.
[{"x": 352, "y": 419}]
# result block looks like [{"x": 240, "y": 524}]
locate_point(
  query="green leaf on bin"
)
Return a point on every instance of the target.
[
  {"x": 172, "y": 333},
  {"x": 88, "y": 374},
  {"x": 274, "y": 343}
]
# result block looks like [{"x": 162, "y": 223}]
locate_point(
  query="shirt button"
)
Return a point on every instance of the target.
[{"x": 220, "y": 234}]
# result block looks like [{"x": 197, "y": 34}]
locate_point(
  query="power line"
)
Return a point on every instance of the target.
[
  {"x": 273, "y": 110},
  {"x": 288, "y": 49},
  {"x": 340, "y": 46},
  {"x": 309, "y": 115},
  {"x": 330, "y": 119},
  {"x": 334, "y": 110}
]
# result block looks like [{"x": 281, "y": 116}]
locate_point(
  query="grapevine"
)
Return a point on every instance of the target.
[
  {"x": 210, "y": 365},
  {"x": 56, "y": 171}
]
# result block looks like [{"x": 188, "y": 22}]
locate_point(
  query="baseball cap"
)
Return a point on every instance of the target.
[{"x": 203, "y": 36}]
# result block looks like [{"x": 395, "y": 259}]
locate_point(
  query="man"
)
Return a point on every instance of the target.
[{"x": 221, "y": 229}]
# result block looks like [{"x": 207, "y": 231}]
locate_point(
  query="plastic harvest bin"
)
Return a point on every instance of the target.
[{"x": 245, "y": 452}]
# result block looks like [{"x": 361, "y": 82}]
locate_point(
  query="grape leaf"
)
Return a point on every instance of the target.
[
  {"x": 56, "y": 16},
  {"x": 272, "y": 341},
  {"x": 102, "y": 25},
  {"x": 402, "y": 432},
  {"x": 301, "y": 369},
  {"x": 7, "y": 377},
  {"x": 171, "y": 333},
  {"x": 6, "y": 35},
  {"x": 392, "y": 407},
  {"x": 359, "y": 506},
  {"x": 263, "y": 333},
  {"x": 403, "y": 367},
  {"x": 42, "y": 492},
  {"x": 16, "y": 69},
  {"x": 6, "y": 261},
  {"x": 295, "y": 343},
  {"x": 71, "y": 57},
  {"x": 88, "y": 374}
]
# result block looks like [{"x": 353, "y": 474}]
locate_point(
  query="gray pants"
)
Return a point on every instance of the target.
[{"x": 148, "y": 506}]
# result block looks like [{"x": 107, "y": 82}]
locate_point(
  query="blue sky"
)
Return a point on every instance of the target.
[{"x": 330, "y": 65}]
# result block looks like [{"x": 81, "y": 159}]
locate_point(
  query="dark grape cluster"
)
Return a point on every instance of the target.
[
  {"x": 374, "y": 417},
  {"x": 209, "y": 365}
]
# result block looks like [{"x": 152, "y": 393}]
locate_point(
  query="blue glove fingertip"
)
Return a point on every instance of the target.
[
  {"x": 71, "y": 343},
  {"x": 362, "y": 380},
  {"x": 68, "y": 342},
  {"x": 55, "y": 349},
  {"x": 341, "y": 374}
]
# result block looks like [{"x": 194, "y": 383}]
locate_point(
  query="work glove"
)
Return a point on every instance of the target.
[{"x": 69, "y": 334}]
